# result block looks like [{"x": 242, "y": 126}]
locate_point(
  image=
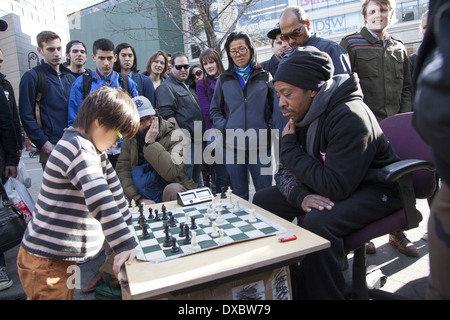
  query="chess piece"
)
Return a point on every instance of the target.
[
  {"x": 157, "y": 218},
  {"x": 194, "y": 243},
  {"x": 164, "y": 217},
  {"x": 236, "y": 206},
  {"x": 221, "y": 233},
  {"x": 193, "y": 224},
  {"x": 252, "y": 216},
  {"x": 214, "y": 233},
  {"x": 223, "y": 194},
  {"x": 150, "y": 213},
  {"x": 145, "y": 233},
  {"x": 205, "y": 220},
  {"x": 187, "y": 240},
  {"x": 230, "y": 202},
  {"x": 141, "y": 207},
  {"x": 186, "y": 217},
  {"x": 167, "y": 241},
  {"x": 175, "y": 248},
  {"x": 142, "y": 219},
  {"x": 219, "y": 217},
  {"x": 181, "y": 234},
  {"x": 172, "y": 222}
]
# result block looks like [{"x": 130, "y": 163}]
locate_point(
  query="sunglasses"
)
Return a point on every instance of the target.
[
  {"x": 119, "y": 136},
  {"x": 293, "y": 35},
  {"x": 198, "y": 73},
  {"x": 181, "y": 66}
]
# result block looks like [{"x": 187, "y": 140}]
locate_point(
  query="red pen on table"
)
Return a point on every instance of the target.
[{"x": 288, "y": 238}]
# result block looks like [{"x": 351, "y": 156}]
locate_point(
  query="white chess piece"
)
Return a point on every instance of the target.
[
  {"x": 252, "y": 216},
  {"x": 221, "y": 239},
  {"x": 186, "y": 216},
  {"x": 194, "y": 243},
  {"x": 214, "y": 233},
  {"x": 205, "y": 220},
  {"x": 236, "y": 206},
  {"x": 219, "y": 218},
  {"x": 230, "y": 202}
]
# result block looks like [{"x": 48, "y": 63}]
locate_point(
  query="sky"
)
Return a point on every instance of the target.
[{"x": 75, "y": 5}]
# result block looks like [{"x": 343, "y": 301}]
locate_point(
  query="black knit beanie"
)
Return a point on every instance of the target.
[{"x": 306, "y": 68}]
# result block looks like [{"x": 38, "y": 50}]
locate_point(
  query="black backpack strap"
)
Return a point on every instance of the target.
[
  {"x": 87, "y": 82},
  {"x": 41, "y": 89},
  {"x": 124, "y": 84}
]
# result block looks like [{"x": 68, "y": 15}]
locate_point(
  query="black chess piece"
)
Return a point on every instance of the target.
[
  {"x": 157, "y": 218},
  {"x": 187, "y": 240},
  {"x": 223, "y": 194},
  {"x": 150, "y": 213},
  {"x": 165, "y": 217},
  {"x": 141, "y": 207},
  {"x": 175, "y": 248},
  {"x": 167, "y": 241},
  {"x": 171, "y": 221},
  {"x": 142, "y": 220},
  {"x": 193, "y": 224},
  {"x": 181, "y": 234},
  {"x": 145, "y": 233}
]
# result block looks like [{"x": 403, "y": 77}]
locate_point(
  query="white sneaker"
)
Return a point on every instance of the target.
[
  {"x": 5, "y": 281},
  {"x": 425, "y": 236}
]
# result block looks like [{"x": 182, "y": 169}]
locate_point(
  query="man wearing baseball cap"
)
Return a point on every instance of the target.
[
  {"x": 330, "y": 144},
  {"x": 147, "y": 166},
  {"x": 278, "y": 48}
]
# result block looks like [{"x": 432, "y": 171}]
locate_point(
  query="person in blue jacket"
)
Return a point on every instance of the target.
[
  {"x": 241, "y": 109},
  {"x": 45, "y": 125},
  {"x": 104, "y": 75},
  {"x": 126, "y": 63}
]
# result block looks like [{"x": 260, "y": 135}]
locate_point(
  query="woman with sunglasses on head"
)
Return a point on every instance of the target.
[
  {"x": 241, "y": 109},
  {"x": 212, "y": 66}
]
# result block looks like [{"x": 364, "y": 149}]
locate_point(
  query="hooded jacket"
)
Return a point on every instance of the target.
[
  {"x": 337, "y": 147},
  {"x": 158, "y": 153}
]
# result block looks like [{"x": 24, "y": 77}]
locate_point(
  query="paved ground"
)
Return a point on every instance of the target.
[{"x": 406, "y": 276}]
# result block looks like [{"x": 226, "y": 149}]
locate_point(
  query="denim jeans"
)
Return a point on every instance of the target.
[{"x": 238, "y": 172}]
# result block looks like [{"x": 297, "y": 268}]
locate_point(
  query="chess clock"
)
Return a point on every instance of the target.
[{"x": 192, "y": 197}]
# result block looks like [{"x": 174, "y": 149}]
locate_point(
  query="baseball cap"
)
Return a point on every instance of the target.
[
  {"x": 3, "y": 24},
  {"x": 144, "y": 106},
  {"x": 272, "y": 34}
]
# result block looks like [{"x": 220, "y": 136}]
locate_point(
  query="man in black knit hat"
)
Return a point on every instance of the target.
[{"x": 330, "y": 149}]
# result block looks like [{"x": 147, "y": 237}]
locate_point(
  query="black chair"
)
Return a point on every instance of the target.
[{"x": 416, "y": 179}]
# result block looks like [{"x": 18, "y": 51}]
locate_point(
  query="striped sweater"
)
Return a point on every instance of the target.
[{"x": 80, "y": 203}]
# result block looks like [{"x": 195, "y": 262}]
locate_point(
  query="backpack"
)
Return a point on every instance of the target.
[
  {"x": 41, "y": 90},
  {"x": 87, "y": 83}
]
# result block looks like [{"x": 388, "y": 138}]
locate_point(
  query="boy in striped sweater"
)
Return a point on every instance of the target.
[{"x": 81, "y": 201}]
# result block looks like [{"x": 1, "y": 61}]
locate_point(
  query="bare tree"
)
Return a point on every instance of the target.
[{"x": 205, "y": 23}]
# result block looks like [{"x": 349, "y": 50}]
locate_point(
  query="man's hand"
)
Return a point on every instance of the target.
[
  {"x": 289, "y": 128},
  {"x": 153, "y": 131},
  {"x": 47, "y": 147},
  {"x": 314, "y": 201},
  {"x": 121, "y": 258},
  {"x": 146, "y": 201},
  {"x": 11, "y": 171}
]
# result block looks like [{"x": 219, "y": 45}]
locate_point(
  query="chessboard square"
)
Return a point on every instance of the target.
[
  {"x": 169, "y": 253},
  {"x": 152, "y": 248},
  {"x": 247, "y": 228},
  {"x": 207, "y": 244},
  {"x": 234, "y": 220},
  {"x": 186, "y": 210},
  {"x": 239, "y": 237},
  {"x": 268, "y": 230},
  {"x": 241, "y": 213}
]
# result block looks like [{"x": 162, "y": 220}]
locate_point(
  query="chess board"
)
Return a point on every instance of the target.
[{"x": 236, "y": 228}]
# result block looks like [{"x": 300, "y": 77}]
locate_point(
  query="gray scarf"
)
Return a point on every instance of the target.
[{"x": 317, "y": 108}]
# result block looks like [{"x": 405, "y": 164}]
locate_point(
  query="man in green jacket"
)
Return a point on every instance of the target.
[
  {"x": 151, "y": 165},
  {"x": 382, "y": 65},
  {"x": 380, "y": 61}
]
